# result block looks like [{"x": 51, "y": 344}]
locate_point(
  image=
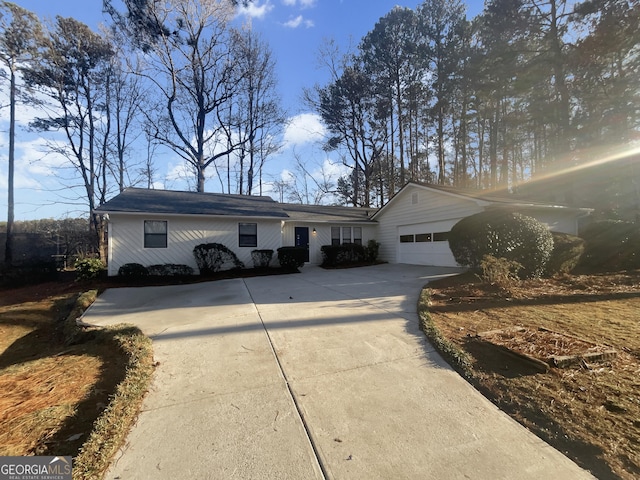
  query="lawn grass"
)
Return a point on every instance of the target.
[{"x": 589, "y": 411}]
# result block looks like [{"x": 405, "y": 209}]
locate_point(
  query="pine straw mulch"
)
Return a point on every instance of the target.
[
  {"x": 590, "y": 411},
  {"x": 65, "y": 390}
]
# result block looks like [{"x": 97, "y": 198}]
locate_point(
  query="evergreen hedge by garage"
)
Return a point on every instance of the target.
[
  {"x": 502, "y": 234},
  {"x": 611, "y": 245}
]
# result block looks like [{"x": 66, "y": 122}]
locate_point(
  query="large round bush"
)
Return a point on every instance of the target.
[{"x": 502, "y": 234}]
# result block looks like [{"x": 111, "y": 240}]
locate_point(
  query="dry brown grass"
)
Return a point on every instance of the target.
[
  {"x": 67, "y": 391},
  {"x": 592, "y": 411}
]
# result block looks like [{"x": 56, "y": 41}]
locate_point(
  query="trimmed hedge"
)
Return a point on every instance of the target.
[
  {"x": 133, "y": 270},
  {"x": 566, "y": 253},
  {"x": 292, "y": 258},
  {"x": 502, "y": 234},
  {"x": 345, "y": 254},
  {"x": 215, "y": 257},
  {"x": 170, "y": 270},
  {"x": 261, "y": 258},
  {"x": 611, "y": 245}
]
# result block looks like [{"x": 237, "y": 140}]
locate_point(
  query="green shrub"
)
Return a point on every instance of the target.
[
  {"x": 566, "y": 253},
  {"x": 611, "y": 245},
  {"x": 133, "y": 270},
  {"x": 292, "y": 258},
  {"x": 215, "y": 257},
  {"x": 502, "y": 234},
  {"x": 372, "y": 250},
  {"x": 261, "y": 258},
  {"x": 88, "y": 268},
  {"x": 499, "y": 271},
  {"x": 345, "y": 254},
  {"x": 170, "y": 270}
]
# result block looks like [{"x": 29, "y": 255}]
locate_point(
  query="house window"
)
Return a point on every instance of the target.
[
  {"x": 423, "y": 237},
  {"x": 406, "y": 238},
  {"x": 357, "y": 235},
  {"x": 342, "y": 235},
  {"x": 335, "y": 235},
  {"x": 441, "y": 236},
  {"x": 346, "y": 234},
  {"x": 248, "y": 234},
  {"x": 155, "y": 234},
  {"x": 414, "y": 198}
]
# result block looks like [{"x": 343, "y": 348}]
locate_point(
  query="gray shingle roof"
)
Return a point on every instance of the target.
[
  {"x": 139, "y": 200},
  {"x": 325, "y": 213},
  {"x": 167, "y": 202}
]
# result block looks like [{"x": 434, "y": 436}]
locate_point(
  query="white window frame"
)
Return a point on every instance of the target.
[
  {"x": 346, "y": 235},
  {"x": 155, "y": 235},
  {"x": 247, "y": 236}
]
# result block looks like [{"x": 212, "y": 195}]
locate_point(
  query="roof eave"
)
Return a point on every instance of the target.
[{"x": 199, "y": 215}]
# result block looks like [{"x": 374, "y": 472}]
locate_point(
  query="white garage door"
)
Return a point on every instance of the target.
[{"x": 425, "y": 244}]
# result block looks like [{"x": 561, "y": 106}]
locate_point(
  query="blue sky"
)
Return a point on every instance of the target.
[{"x": 295, "y": 29}]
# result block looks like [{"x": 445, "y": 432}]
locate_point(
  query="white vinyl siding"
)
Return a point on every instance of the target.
[
  {"x": 126, "y": 233},
  {"x": 323, "y": 235}
]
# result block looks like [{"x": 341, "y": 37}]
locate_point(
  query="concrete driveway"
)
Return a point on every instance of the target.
[{"x": 322, "y": 374}]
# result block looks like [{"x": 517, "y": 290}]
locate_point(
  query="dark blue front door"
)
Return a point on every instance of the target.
[{"x": 302, "y": 239}]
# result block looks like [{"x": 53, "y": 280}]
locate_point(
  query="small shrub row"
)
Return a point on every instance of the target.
[
  {"x": 345, "y": 254},
  {"x": 136, "y": 270},
  {"x": 170, "y": 270},
  {"x": 349, "y": 254}
]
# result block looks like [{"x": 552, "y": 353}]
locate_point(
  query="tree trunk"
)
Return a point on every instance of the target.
[{"x": 8, "y": 251}]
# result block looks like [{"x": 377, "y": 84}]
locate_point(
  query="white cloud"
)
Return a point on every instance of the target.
[
  {"x": 255, "y": 10},
  {"x": 333, "y": 170},
  {"x": 302, "y": 129},
  {"x": 299, "y": 21},
  {"x": 301, "y": 3},
  {"x": 286, "y": 175}
]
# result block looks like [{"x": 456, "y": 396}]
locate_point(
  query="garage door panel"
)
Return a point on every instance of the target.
[{"x": 425, "y": 253}]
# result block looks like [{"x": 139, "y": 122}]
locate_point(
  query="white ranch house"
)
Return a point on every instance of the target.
[{"x": 158, "y": 226}]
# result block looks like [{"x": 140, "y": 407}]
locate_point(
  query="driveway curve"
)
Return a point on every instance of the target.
[{"x": 322, "y": 374}]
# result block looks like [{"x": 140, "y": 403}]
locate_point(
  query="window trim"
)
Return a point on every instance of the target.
[
  {"x": 356, "y": 240},
  {"x": 246, "y": 239},
  {"x": 408, "y": 238},
  {"x": 340, "y": 240},
  {"x": 146, "y": 235}
]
